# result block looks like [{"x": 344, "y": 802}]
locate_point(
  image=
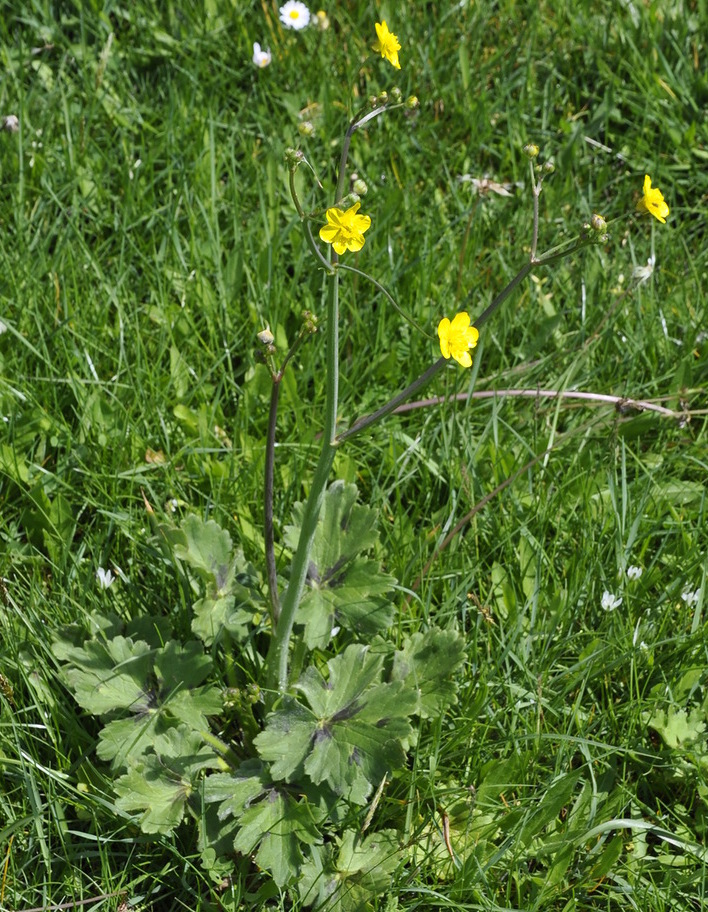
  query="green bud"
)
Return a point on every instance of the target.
[
  {"x": 359, "y": 187},
  {"x": 396, "y": 95},
  {"x": 306, "y": 128},
  {"x": 382, "y": 99},
  {"x": 549, "y": 167},
  {"x": 348, "y": 200},
  {"x": 412, "y": 102},
  {"x": 293, "y": 157},
  {"x": 531, "y": 150},
  {"x": 309, "y": 321}
]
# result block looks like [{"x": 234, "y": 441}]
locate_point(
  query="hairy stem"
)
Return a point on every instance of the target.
[
  {"x": 277, "y": 660},
  {"x": 271, "y": 572}
]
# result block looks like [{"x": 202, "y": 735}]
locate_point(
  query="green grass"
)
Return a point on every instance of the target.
[{"x": 131, "y": 295}]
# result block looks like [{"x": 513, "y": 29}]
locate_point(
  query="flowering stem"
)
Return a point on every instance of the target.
[
  {"x": 351, "y": 129},
  {"x": 268, "y": 487},
  {"x": 277, "y": 660},
  {"x": 428, "y": 375},
  {"x": 388, "y": 294},
  {"x": 536, "y": 191},
  {"x": 503, "y": 294},
  {"x": 271, "y": 571},
  {"x": 392, "y": 404},
  {"x": 306, "y": 225}
]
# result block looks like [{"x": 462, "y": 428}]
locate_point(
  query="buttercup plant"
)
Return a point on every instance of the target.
[{"x": 285, "y": 776}]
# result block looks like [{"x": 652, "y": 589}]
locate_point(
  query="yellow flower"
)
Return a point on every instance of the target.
[
  {"x": 345, "y": 230},
  {"x": 457, "y": 338},
  {"x": 653, "y": 201},
  {"x": 387, "y": 44}
]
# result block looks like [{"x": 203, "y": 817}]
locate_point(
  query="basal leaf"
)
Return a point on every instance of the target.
[
  {"x": 237, "y": 790},
  {"x": 345, "y": 528},
  {"x": 207, "y": 548},
  {"x": 213, "y": 616},
  {"x": 161, "y": 785},
  {"x": 348, "y": 880},
  {"x": 350, "y": 674},
  {"x": 111, "y": 675},
  {"x": 287, "y": 739},
  {"x": 193, "y": 706},
  {"x": 343, "y": 588},
  {"x": 349, "y": 598},
  {"x": 232, "y": 597},
  {"x": 678, "y": 729},
  {"x": 180, "y": 667},
  {"x": 369, "y": 861},
  {"x": 277, "y": 825},
  {"x": 124, "y": 741},
  {"x": 427, "y": 664},
  {"x": 354, "y": 731}
]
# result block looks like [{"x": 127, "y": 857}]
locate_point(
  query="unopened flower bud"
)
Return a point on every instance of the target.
[
  {"x": 549, "y": 167},
  {"x": 348, "y": 200},
  {"x": 412, "y": 102},
  {"x": 11, "y": 123},
  {"x": 359, "y": 187},
  {"x": 531, "y": 150},
  {"x": 585, "y": 230},
  {"x": 597, "y": 223},
  {"x": 373, "y": 101},
  {"x": 266, "y": 336},
  {"x": 382, "y": 99},
  {"x": 293, "y": 157},
  {"x": 322, "y": 20},
  {"x": 396, "y": 95},
  {"x": 306, "y": 128},
  {"x": 309, "y": 321}
]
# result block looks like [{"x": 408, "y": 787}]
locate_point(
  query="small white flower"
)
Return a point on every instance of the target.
[
  {"x": 294, "y": 15},
  {"x": 634, "y": 573},
  {"x": 690, "y": 598},
  {"x": 609, "y": 601},
  {"x": 11, "y": 123},
  {"x": 105, "y": 578},
  {"x": 642, "y": 274},
  {"x": 261, "y": 58}
]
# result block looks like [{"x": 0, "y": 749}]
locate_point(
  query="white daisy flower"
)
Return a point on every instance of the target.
[
  {"x": 294, "y": 15},
  {"x": 105, "y": 578},
  {"x": 634, "y": 573},
  {"x": 261, "y": 58},
  {"x": 609, "y": 601}
]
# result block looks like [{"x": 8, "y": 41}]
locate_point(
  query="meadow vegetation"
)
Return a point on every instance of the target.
[{"x": 516, "y": 559}]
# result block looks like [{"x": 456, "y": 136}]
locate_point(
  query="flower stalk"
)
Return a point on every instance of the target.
[{"x": 277, "y": 659}]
